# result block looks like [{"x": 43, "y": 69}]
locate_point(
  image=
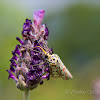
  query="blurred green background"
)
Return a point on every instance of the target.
[{"x": 74, "y": 27}]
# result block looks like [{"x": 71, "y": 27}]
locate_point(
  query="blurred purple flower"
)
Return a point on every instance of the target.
[
  {"x": 28, "y": 65},
  {"x": 96, "y": 89}
]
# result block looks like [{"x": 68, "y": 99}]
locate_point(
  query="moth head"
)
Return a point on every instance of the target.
[{"x": 53, "y": 60}]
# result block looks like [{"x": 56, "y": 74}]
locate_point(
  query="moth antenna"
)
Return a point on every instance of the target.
[
  {"x": 41, "y": 49},
  {"x": 36, "y": 51},
  {"x": 44, "y": 51}
]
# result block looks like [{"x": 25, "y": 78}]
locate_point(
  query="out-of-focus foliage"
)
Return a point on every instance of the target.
[{"x": 74, "y": 34}]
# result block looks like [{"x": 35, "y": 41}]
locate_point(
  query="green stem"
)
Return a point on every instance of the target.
[{"x": 26, "y": 95}]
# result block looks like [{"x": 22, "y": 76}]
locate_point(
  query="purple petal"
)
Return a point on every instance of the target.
[
  {"x": 39, "y": 71},
  {"x": 32, "y": 53},
  {"x": 12, "y": 69},
  {"x": 13, "y": 63},
  {"x": 16, "y": 50},
  {"x": 14, "y": 57},
  {"x": 46, "y": 76},
  {"x": 38, "y": 16},
  {"x": 47, "y": 69},
  {"x": 20, "y": 40},
  {"x": 35, "y": 60},
  {"x": 31, "y": 76},
  {"x": 36, "y": 57},
  {"x": 27, "y": 25},
  {"x": 11, "y": 75},
  {"x": 24, "y": 33},
  {"x": 46, "y": 33}
]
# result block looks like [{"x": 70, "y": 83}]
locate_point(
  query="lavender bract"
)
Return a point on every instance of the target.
[{"x": 28, "y": 65}]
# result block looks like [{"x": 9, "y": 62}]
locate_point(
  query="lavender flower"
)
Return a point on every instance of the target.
[
  {"x": 96, "y": 89},
  {"x": 28, "y": 65}
]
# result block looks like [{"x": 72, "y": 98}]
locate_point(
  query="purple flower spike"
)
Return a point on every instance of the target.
[
  {"x": 30, "y": 65},
  {"x": 38, "y": 16},
  {"x": 20, "y": 40}
]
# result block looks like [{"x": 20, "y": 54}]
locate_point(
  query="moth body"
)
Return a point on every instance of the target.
[{"x": 57, "y": 68}]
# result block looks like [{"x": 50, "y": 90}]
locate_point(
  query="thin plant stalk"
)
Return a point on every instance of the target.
[{"x": 26, "y": 95}]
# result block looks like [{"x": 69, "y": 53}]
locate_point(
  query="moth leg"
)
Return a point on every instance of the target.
[{"x": 41, "y": 82}]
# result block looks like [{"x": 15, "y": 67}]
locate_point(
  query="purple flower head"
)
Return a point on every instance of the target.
[
  {"x": 28, "y": 65},
  {"x": 38, "y": 16}
]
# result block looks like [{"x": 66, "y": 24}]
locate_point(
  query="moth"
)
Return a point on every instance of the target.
[{"x": 57, "y": 68}]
